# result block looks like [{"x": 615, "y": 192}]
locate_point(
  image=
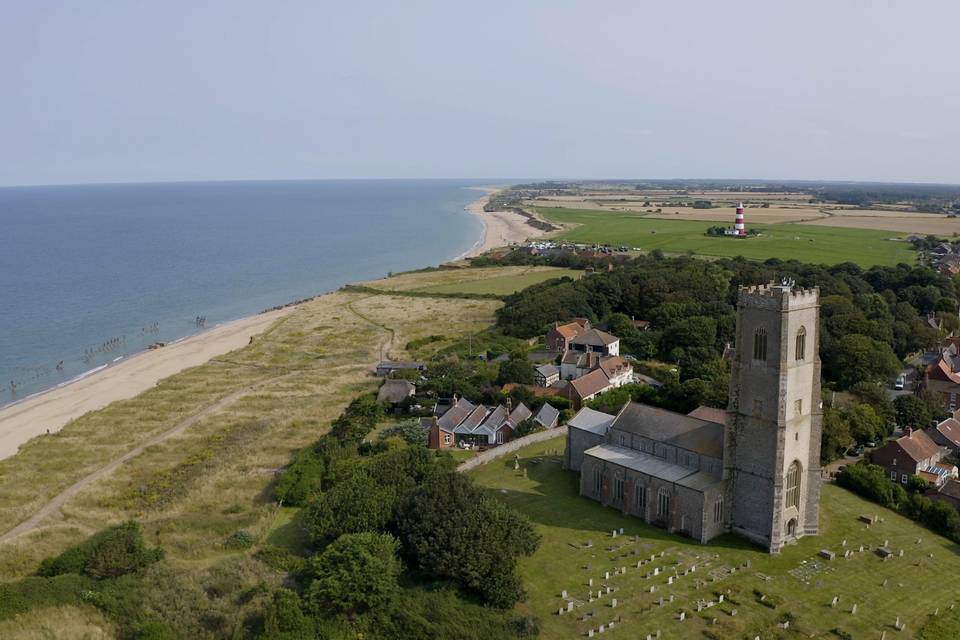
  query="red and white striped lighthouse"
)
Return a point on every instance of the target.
[{"x": 739, "y": 226}]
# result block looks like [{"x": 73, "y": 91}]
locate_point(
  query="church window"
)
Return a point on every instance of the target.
[
  {"x": 802, "y": 343},
  {"x": 641, "y": 498},
  {"x": 760, "y": 344},
  {"x": 718, "y": 510},
  {"x": 623, "y": 440},
  {"x": 597, "y": 481},
  {"x": 793, "y": 485},
  {"x": 663, "y": 503},
  {"x": 618, "y": 488},
  {"x": 798, "y": 407}
]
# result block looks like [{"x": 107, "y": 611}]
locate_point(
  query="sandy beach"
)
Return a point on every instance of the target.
[
  {"x": 501, "y": 228},
  {"x": 51, "y": 410}
]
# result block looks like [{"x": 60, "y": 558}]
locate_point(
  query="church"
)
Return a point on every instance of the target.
[{"x": 753, "y": 470}]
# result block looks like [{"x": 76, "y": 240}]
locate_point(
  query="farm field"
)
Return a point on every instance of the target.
[
  {"x": 809, "y": 243},
  {"x": 796, "y": 585},
  {"x": 486, "y": 280},
  {"x": 904, "y": 222},
  {"x": 720, "y": 215}
]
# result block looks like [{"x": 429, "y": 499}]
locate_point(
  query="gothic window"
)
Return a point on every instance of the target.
[
  {"x": 618, "y": 488},
  {"x": 663, "y": 503},
  {"x": 793, "y": 485},
  {"x": 641, "y": 498},
  {"x": 718, "y": 510},
  {"x": 597, "y": 481},
  {"x": 760, "y": 344},
  {"x": 802, "y": 343}
]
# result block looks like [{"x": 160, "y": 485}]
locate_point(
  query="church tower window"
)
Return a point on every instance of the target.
[
  {"x": 802, "y": 343},
  {"x": 793, "y": 486},
  {"x": 760, "y": 344}
]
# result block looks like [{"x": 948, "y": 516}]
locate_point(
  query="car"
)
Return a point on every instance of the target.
[
  {"x": 870, "y": 445},
  {"x": 900, "y": 383},
  {"x": 857, "y": 450}
]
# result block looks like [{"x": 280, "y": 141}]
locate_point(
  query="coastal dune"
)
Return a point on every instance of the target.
[{"x": 51, "y": 410}]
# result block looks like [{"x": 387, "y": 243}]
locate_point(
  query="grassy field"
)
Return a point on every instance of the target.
[
  {"x": 493, "y": 280},
  {"x": 795, "y": 585},
  {"x": 256, "y": 405},
  {"x": 809, "y": 243}
]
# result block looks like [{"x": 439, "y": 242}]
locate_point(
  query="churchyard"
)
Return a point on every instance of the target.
[{"x": 599, "y": 572}]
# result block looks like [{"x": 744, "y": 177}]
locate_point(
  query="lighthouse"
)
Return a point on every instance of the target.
[{"x": 739, "y": 228}]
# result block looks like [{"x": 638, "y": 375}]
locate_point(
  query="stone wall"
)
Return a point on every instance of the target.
[{"x": 510, "y": 447}]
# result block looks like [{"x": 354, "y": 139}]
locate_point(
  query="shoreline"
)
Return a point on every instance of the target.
[
  {"x": 49, "y": 410},
  {"x": 500, "y": 228}
]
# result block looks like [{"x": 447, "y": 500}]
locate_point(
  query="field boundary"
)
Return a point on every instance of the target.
[{"x": 504, "y": 449}]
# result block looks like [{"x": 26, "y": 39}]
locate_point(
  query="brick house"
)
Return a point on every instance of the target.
[
  {"x": 947, "y": 434},
  {"x": 474, "y": 424},
  {"x": 586, "y": 388},
  {"x": 910, "y": 454},
  {"x": 558, "y": 339},
  {"x": 596, "y": 341}
]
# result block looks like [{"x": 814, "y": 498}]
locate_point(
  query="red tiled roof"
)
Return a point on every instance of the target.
[
  {"x": 614, "y": 365},
  {"x": 950, "y": 429},
  {"x": 590, "y": 384}
]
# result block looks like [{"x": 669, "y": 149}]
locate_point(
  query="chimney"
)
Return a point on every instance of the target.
[
  {"x": 909, "y": 431},
  {"x": 509, "y": 404}
]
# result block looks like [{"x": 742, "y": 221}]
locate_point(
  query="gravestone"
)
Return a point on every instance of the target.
[
  {"x": 613, "y": 603},
  {"x": 721, "y": 598},
  {"x": 563, "y": 594},
  {"x": 853, "y": 610},
  {"x": 836, "y": 599},
  {"x": 570, "y": 606},
  {"x": 683, "y": 616}
]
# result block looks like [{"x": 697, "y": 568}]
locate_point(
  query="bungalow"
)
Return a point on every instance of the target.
[
  {"x": 596, "y": 341},
  {"x": 546, "y": 375},
  {"x": 547, "y": 416},
  {"x": 476, "y": 425},
  {"x": 947, "y": 434},
  {"x": 395, "y": 391},
  {"x": 558, "y": 339},
  {"x": 910, "y": 454}
]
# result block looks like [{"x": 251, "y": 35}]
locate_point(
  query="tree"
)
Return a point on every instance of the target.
[
  {"x": 912, "y": 411},
  {"x": 110, "y": 553},
  {"x": 284, "y": 618},
  {"x": 355, "y": 504},
  {"x": 865, "y": 424},
  {"x": 517, "y": 369},
  {"x": 355, "y": 573},
  {"x": 916, "y": 484},
  {"x": 855, "y": 358},
  {"x": 835, "y": 437},
  {"x": 453, "y": 529},
  {"x": 527, "y": 427}
]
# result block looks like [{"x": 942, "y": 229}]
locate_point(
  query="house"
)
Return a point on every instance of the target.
[
  {"x": 586, "y": 388},
  {"x": 947, "y": 434},
  {"x": 642, "y": 325},
  {"x": 943, "y": 376},
  {"x": 596, "y": 341},
  {"x": 395, "y": 391},
  {"x": 910, "y": 454},
  {"x": 546, "y": 375},
  {"x": 558, "y": 339},
  {"x": 547, "y": 416},
  {"x": 466, "y": 423},
  {"x": 576, "y": 363},
  {"x": 949, "y": 492},
  {"x": 387, "y": 367},
  {"x": 618, "y": 371}
]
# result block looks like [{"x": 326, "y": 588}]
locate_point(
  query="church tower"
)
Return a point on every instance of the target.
[{"x": 772, "y": 438}]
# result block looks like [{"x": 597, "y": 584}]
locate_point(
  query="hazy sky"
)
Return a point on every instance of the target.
[{"x": 110, "y": 91}]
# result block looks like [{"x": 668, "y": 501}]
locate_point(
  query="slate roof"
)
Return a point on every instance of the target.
[
  {"x": 591, "y": 420},
  {"x": 595, "y": 338},
  {"x": 519, "y": 414},
  {"x": 395, "y": 391},
  {"x": 951, "y": 488},
  {"x": 456, "y": 414},
  {"x": 547, "y": 416},
  {"x": 671, "y": 428},
  {"x": 474, "y": 420},
  {"x": 710, "y": 414},
  {"x": 548, "y": 370},
  {"x": 654, "y": 466}
]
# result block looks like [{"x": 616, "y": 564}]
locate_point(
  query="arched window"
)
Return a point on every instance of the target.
[
  {"x": 793, "y": 486},
  {"x": 641, "y": 498},
  {"x": 663, "y": 503},
  {"x": 618, "y": 488},
  {"x": 597, "y": 482},
  {"x": 760, "y": 344},
  {"x": 802, "y": 343}
]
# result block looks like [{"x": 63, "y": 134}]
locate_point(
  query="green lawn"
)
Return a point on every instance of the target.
[
  {"x": 796, "y": 582},
  {"x": 501, "y": 285},
  {"x": 826, "y": 245}
]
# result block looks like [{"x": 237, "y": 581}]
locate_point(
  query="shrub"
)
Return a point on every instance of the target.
[
  {"x": 112, "y": 552},
  {"x": 354, "y": 574},
  {"x": 240, "y": 539}
]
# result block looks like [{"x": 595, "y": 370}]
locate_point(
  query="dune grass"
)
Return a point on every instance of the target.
[
  {"x": 796, "y": 582},
  {"x": 482, "y": 280},
  {"x": 808, "y": 243}
]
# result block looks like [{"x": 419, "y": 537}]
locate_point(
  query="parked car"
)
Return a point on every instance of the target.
[
  {"x": 870, "y": 445},
  {"x": 900, "y": 383}
]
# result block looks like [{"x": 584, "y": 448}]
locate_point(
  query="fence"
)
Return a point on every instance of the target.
[{"x": 510, "y": 447}]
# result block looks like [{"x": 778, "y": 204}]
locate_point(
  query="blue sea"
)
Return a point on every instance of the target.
[{"x": 93, "y": 273}]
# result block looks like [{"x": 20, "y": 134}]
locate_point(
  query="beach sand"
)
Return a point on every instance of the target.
[
  {"x": 501, "y": 228},
  {"x": 53, "y": 409}
]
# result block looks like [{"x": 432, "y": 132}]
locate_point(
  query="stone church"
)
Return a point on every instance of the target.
[{"x": 753, "y": 470}]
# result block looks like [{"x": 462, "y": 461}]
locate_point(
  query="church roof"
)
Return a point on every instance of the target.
[
  {"x": 591, "y": 420},
  {"x": 682, "y": 431},
  {"x": 654, "y": 466},
  {"x": 710, "y": 414}
]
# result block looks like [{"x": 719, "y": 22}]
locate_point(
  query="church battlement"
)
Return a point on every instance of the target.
[{"x": 782, "y": 295}]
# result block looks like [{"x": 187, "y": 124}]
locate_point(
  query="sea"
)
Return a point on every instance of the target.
[{"x": 92, "y": 274}]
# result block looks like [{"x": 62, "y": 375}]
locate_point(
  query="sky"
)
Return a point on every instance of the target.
[{"x": 117, "y": 91}]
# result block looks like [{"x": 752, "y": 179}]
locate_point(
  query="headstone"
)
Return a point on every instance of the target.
[
  {"x": 563, "y": 594},
  {"x": 883, "y": 635},
  {"x": 570, "y": 606},
  {"x": 614, "y": 533},
  {"x": 886, "y": 543},
  {"x": 656, "y": 571},
  {"x": 621, "y": 530},
  {"x": 843, "y": 543},
  {"x": 613, "y": 603},
  {"x": 683, "y": 616},
  {"x": 590, "y": 583},
  {"x": 639, "y": 562},
  {"x": 733, "y": 612},
  {"x": 609, "y": 590},
  {"x": 721, "y": 598},
  {"x": 919, "y": 540},
  {"x": 661, "y": 601},
  {"x": 590, "y": 633},
  {"x": 671, "y": 597},
  {"x": 836, "y": 599},
  {"x": 606, "y": 575},
  {"x": 936, "y": 611},
  {"x": 652, "y": 588},
  {"x": 560, "y": 612},
  {"x": 861, "y": 549},
  {"x": 602, "y": 628},
  {"x": 612, "y": 623},
  {"x": 826, "y": 553},
  {"x": 901, "y": 553},
  {"x": 853, "y": 610},
  {"x": 670, "y": 580}
]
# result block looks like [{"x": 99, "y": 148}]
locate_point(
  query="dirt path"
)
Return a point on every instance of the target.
[{"x": 61, "y": 499}]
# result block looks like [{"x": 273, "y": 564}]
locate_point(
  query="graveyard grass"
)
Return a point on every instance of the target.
[
  {"x": 814, "y": 244},
  {"x": 798, "y": 583}
]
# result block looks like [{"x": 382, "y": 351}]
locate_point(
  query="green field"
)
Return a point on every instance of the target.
[
  {"x": 501, "y": 285},
  {"x": 797, "y": 584},
  {"x": 815, "y": 244}
]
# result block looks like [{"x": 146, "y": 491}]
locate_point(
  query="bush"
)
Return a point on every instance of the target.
[
  {"x": 354, "y": 574},
  {"x": 35, "y": 592},
  {"x": 240, "y": 539},
  {"x": 113, "y": 552}
]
